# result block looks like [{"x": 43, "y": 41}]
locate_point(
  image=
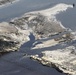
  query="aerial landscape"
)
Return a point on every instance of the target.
[{"x": 37, "y": 37}]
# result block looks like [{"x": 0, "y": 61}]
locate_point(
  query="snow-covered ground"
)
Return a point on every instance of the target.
[
  {"x": 18, "y": 62},
  {"x": 6, "y": 2}
]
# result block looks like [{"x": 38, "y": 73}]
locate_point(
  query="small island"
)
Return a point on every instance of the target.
[{"x": 46, "y": 39}]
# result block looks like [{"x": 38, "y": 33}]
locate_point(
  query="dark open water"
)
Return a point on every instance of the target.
[
  {"x": 19, "y": 8},
  {"x": 15, "y": 63}
]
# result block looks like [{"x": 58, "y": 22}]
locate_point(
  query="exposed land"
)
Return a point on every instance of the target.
[
  {"x": 3, "y": 2},
  {"x": 52, "y": 44}
]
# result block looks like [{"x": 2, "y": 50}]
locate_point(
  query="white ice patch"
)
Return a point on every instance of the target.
[
  {"x": 56, "y": 9},
  {"x": 51, "y": 13},
  {"x": 8, "y": 4}
]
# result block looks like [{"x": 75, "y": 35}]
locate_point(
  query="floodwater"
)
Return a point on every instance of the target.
[
  {"x": 15, "y": 63},
  {"x": 68, "y": 18},
  {"x": 18, "y": 63}
]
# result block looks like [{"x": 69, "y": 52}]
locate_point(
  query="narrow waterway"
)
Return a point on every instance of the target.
[
  {"x": 17, "y": 9},
  {"x": 16, "y": 62},
  {"x": 19, "y": 63},
  {"x": 23, "y": 6}
]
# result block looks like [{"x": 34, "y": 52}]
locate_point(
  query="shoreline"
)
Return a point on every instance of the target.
[
  {"x": 22, "y": 24},
  {"x": 42, "y": 24},
  {"x": 7, "y": 3}
]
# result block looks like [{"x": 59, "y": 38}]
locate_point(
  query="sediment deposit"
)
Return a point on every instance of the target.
[{"x": 57, "y": 47}]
